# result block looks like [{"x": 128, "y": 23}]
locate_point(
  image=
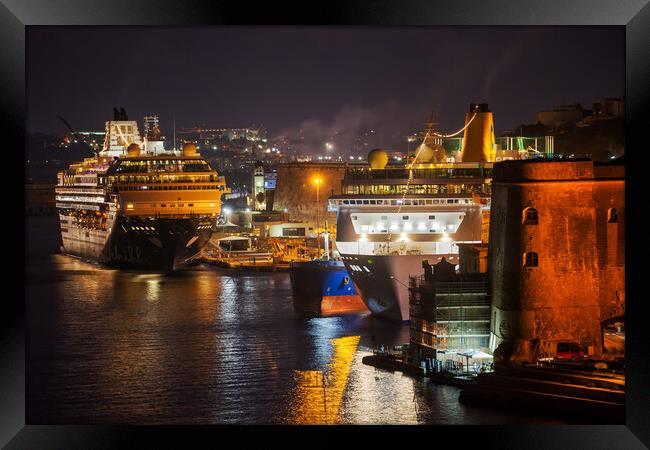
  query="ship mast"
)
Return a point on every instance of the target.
[{"x": 431, "y": 127}]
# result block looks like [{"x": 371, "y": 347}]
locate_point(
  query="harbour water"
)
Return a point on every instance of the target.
[{"x": 207, "y": 345}]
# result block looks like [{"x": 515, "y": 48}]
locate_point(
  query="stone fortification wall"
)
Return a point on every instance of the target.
[
  {"x": 296, "y": 190},
  {"x": 579, "y": 279}
]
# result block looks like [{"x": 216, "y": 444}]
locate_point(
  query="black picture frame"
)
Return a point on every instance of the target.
[{"x": 634, "y": 15}]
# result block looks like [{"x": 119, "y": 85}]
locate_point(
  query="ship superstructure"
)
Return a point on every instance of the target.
[
  {"x": 128, "y": 208},
  {"x": 392, "y": 218}
]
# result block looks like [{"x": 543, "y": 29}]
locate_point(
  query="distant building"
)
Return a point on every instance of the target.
[
  {"x": 609, "y": 107},
  {"x": 223, "y": 161},
  {"x": 560, "y": 115},
  {"x": 94, "y": 139},
  {"x": 556, "y": 255},
  {"x": 250, "y": 140},
  {"x": 603, "y": 111}
]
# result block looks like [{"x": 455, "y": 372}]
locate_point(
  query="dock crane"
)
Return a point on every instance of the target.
[{"x": 73, "y": 132}]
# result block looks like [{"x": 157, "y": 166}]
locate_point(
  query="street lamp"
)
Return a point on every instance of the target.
[{"x": 317, "y": 181}]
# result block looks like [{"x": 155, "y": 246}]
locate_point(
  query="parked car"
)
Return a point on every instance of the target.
[{"x": 570, "y": 351}]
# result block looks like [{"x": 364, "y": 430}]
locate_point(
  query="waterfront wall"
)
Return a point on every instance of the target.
[
  {"x": 296, "y": 190},
  {"x": 576, "y": 278}
]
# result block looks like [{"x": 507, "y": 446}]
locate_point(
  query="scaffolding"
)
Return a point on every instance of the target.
[{"x": 450, "y": 314}]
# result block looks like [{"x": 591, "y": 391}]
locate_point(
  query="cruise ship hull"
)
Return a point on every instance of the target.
[
  {"x": 383, "y": 280},
  {"x": 324, "y": 288},
  {"x": 140, "y": 243}
]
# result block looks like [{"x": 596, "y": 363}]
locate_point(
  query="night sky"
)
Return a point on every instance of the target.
[{"x": 321, "y": 79}]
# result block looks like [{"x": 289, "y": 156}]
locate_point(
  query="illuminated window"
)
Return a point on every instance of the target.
[
  {"x": 612, "y": 215},
  {"x": 530, "y": 259},
  {"x": 530, "y": 216}
]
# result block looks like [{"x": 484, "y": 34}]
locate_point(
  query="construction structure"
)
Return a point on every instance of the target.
[{"x": 449, "y": 312}]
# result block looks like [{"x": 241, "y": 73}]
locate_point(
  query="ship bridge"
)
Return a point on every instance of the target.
[
  {"x": 166, "y": 185},
  {"x": 436, "y": 179}
]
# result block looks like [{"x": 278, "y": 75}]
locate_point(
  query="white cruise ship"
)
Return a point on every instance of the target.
[
  {"x": 390, "y": 218},
  {"x": 134, "y": 209}
]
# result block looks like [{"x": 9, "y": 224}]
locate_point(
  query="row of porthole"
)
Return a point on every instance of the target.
[
  {"x": 408, "y": 202},
  {"x": 123, "y": 187},
  {"x": 173, "y": 205}
]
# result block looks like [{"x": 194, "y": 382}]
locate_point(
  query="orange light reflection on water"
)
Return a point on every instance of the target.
[{"x": 316, "y": 398}]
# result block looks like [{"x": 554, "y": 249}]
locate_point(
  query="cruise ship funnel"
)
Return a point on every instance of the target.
[{"x": 479, "y": 144}]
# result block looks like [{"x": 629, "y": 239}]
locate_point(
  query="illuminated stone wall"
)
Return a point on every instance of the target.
[
  {"x": 296, "y": 190},
  {"x": 580, "y": 277}
]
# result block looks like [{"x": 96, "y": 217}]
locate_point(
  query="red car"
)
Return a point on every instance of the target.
[{"x": 569, "y": 350}]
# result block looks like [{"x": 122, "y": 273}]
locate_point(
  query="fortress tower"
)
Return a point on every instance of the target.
[{"x": 557, "y": 255}]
